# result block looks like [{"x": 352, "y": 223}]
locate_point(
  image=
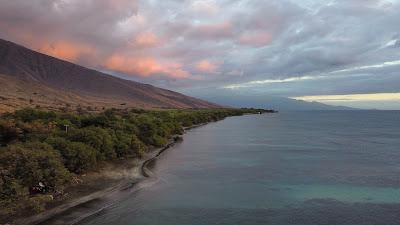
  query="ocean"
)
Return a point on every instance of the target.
[{"x": 289, "y": 168}]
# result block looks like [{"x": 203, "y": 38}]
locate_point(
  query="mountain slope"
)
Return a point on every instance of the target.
[{"x": 36, "y": 72}]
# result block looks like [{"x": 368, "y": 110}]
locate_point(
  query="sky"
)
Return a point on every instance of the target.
[{"x": 340, "y": 52}]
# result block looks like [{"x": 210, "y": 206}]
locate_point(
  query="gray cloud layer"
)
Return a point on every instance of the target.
[{"x": 213, "y": 44}]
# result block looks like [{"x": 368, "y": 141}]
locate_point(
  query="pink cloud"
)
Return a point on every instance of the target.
[
  {"x": 206, "y": 66},
  {"x": 145, "y": 66},
  {"x": 146, "y": 40},
  {"x": 67, "y": 50}
]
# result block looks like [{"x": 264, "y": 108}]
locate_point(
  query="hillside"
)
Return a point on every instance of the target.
[{"x": 29, "y": 78}]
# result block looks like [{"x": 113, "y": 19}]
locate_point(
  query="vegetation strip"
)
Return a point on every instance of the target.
[{"x": 43, "y": 152}]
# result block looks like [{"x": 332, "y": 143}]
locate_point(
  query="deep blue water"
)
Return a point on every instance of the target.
[{"x": 333, "y": 167}]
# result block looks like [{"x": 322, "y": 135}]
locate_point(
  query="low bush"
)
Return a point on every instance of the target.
[{"x": 78, "y": 157}]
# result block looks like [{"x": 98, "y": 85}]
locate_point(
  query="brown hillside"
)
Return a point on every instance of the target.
[{"x": 29, "y": 78}]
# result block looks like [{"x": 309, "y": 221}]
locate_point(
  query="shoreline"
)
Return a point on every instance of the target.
[
  {"x": 124, "y": 184},
  {"x": 145, "y": 172}
]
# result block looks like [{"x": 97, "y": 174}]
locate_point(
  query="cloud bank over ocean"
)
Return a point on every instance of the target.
[{"x": 279, "y": 47}]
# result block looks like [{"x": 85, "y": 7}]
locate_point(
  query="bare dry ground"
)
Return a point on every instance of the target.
[
  {"x": 29, "y": 78},
  {"x": 17, "y": 94}
]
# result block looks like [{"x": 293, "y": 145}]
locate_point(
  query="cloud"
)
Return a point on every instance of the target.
[
  {"x": 146, "y": 40},
  {"x": 67, "y": 50},
  {"x": 331, "y": 75},
  {"x": 212, "y": 31},
  {"x": 351, "y": 97},
  {"x": 385, "y": 101},
  {"x": 256, "y": 39},
  {"x": 375, "y": 66},
  {"x": 205, "y": 7},
  {"x": 295, "y": 47},
  {"x": 206, "y": 66},
  {"x": 145, "y": 66},
  {"x": 272, "y": 81}
]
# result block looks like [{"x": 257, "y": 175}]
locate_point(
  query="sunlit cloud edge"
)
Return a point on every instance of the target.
[
  {"x": 368, "y": 97},
  {"x": 311, "y": 77}
]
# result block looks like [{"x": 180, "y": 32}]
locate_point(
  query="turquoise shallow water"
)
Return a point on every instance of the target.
[{"x": 340, "y": 167}]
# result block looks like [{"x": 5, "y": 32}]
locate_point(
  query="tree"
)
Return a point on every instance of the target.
[
  {"x": 31, "y": 163},
  {"x": 149, "y": 131},
  {"x": 122, "y": 143},
  {"x": 96, "y": 137},
  {"x": 78, "y": 157},
  {"x": 137, "y": 146},
  {"x": 8, "y": 132}
]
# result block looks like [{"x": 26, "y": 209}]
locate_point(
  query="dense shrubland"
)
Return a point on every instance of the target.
[{"x": 49, "y": 148}]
